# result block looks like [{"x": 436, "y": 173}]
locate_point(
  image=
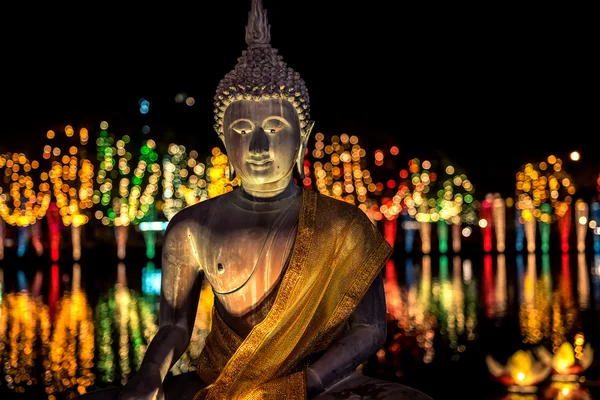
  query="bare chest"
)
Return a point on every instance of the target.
[{"x": 246, "y": 255}]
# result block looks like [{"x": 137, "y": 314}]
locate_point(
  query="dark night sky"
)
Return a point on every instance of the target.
[{"x": 506, "y": 85}]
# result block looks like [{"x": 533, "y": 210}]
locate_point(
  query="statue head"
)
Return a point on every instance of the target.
[{"x": 262, "y": 110}]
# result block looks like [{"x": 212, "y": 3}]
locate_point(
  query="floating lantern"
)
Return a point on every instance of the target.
[
  {"x": 568, "y": 362},
  {"x": 521, "y": 374}
]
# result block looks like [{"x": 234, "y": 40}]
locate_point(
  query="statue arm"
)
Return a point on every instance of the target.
[
  {"x": 180, "y": 291},
  {"x": 365, "y": 336}
]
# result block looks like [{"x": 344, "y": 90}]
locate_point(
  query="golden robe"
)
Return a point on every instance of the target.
[{"x": 337, "y": 254}]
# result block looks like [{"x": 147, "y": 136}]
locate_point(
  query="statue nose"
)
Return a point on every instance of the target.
[{"x": 259, "y": 143}]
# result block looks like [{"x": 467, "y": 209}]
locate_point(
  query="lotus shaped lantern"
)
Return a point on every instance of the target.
[
  {"x": 568, "y": 362},
  {"x": 521, "y": 374}
]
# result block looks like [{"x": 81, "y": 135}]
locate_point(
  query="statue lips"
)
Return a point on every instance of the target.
[{"x": 260, "y": 164}]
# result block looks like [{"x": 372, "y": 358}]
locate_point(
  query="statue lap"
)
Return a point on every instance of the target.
[
  {"x": 354, "y": 387},
  {"x": 361, "y": 387},
  {"x": 182, "y": 387}
]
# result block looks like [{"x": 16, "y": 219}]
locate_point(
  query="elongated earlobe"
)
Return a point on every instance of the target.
[
  {"x": 303, "y": 143},
  {"x": 300, "y": 161},
  {"x": 231, "y": 172}
]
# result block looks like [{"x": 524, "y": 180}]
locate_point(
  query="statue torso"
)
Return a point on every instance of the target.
[{"x": 244, "y": 249}]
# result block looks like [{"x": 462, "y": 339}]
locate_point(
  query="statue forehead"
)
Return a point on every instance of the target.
[{"x": 260, "y": 109}]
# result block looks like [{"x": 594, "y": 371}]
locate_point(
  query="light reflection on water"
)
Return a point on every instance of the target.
[
  {"x": 59, "y": 346},
  {"x": 446, "y": 314}
]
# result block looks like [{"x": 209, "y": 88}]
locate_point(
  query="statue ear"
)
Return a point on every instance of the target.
[
  {"x": 307, "y": 132},
  {"x": 303, "y": 142},
  {"x": 231, "y": 174},
  {"x": 221, "y": 136}
]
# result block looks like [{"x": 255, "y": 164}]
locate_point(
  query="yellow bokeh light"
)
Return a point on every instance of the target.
[
  {"x": 575, "y": 156},
  {"x": 69, "y": 130}
]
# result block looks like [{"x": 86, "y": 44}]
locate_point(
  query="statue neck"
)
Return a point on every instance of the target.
[
  {"x": 274, "y": 204},
  {"x": 270, "y": 191}
]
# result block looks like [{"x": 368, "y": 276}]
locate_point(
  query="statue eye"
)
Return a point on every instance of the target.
[
  {"x": 243, "y": 127},
  {"x": 274, "y": 125}
]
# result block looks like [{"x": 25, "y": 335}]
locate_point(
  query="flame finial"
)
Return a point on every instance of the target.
[{"x": 258, "y": 30}]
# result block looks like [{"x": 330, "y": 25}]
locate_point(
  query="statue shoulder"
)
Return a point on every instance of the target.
[
  {"x": 348, "y": 223},
  {"x": 338, "y": 211},
  {"x": 194, "y": 218}
]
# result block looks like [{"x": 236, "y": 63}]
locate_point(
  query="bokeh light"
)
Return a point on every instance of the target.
[
  {"x": 25, "y": 194},
  {"x": 545, "y": 182},
  {"x": 339, "y": 170},
  {"x": 125, "y": 192},
  {"x": 183, "y": 182}
]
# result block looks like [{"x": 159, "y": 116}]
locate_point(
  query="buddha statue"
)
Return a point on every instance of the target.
[{"x": 298, "y": 295}]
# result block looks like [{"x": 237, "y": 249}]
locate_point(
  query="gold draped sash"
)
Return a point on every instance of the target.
[{"x": 337, "y": 254}]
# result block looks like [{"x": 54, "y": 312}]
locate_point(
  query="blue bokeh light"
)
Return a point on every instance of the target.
[{"x": 144, "y": 106}]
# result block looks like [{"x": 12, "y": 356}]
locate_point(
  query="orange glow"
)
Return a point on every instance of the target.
[
  {"x": 394, "y": 150},
  {"x": 69, "y": 130}
]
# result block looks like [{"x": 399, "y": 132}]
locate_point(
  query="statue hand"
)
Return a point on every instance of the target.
[{"x": 144, "y": 385}]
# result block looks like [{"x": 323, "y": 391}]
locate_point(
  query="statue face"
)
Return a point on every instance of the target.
[{"x": 262, "y": 139}]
